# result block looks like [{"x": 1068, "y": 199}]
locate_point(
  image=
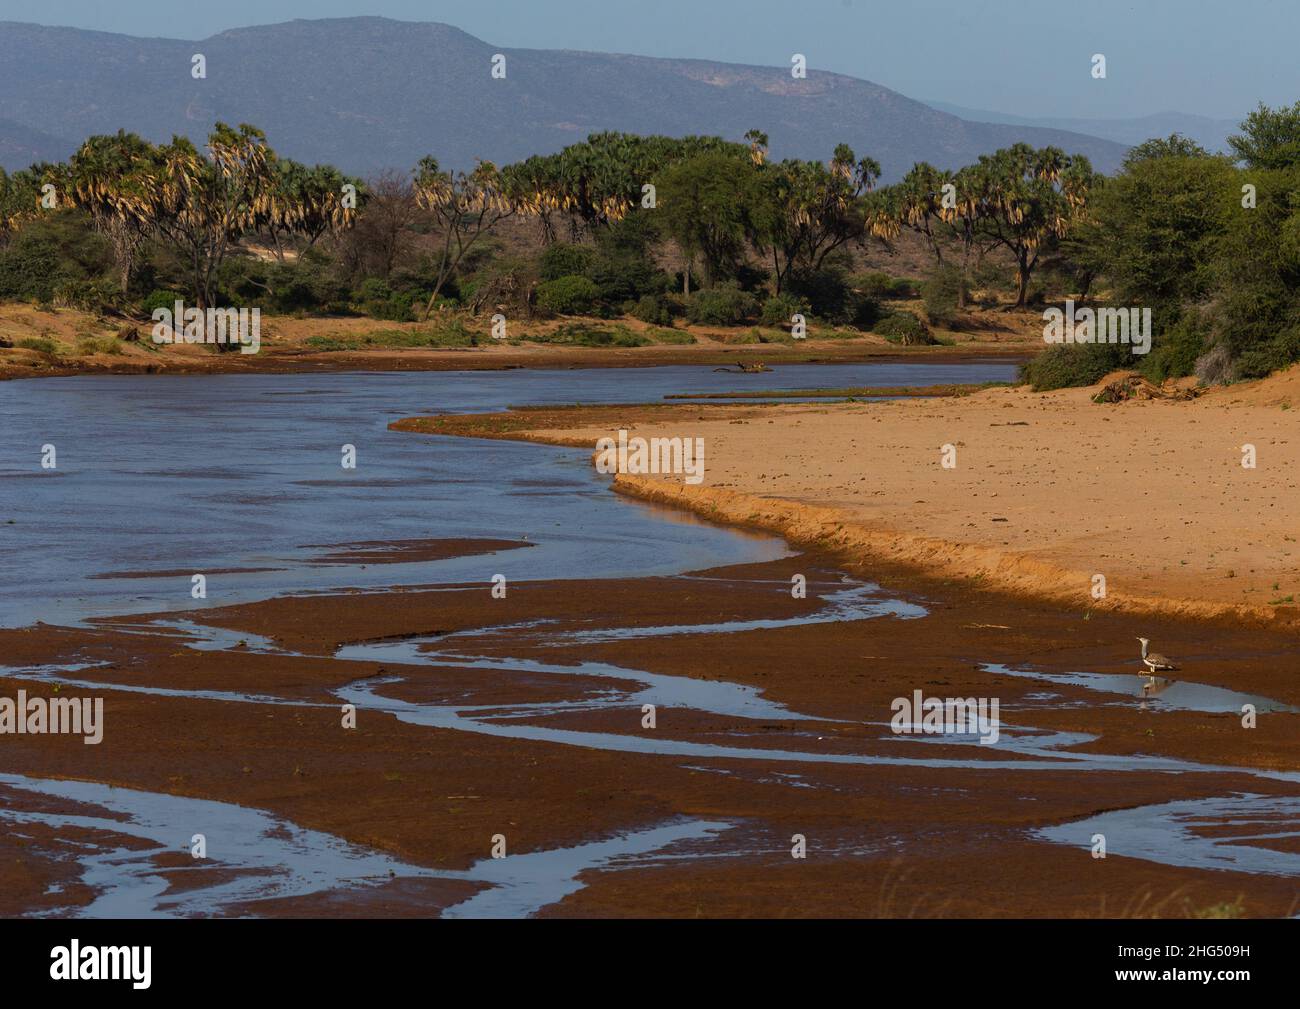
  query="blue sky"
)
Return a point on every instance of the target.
[{"x": 1027, "y": 57}]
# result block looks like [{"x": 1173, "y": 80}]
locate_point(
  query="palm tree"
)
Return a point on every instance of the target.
[
  {"x": 104, "y": 178},
  {"x": 464, "y": 206},
  {"x": 920, "y": 203},
  {"x": 970, "y": 207},
  {"x": 204, "y": 204},
  {"x": 1033, "y": 196},
  {"x": 306, "y": 202}
]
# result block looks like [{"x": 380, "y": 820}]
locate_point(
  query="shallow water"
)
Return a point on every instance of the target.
[
  {"x": 1041, "y": 750},
  {"x": 523, "y": 884},
  {"x": 1031, "y": 748},
  {"x": 201, "y": 473},
  {"x": 861, "y": 602},
  {"x": 1169, "y": 833},
  {"x": 275, "y": 858},
  {"x": 253, "y": 856},
  {"x": 1165, "y": 694}
]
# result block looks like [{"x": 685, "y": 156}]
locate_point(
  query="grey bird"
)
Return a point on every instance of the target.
[{"x": 1154, "y": 661}]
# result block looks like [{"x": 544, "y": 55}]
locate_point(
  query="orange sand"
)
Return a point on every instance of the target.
[{"x": 1048, "y": 490}]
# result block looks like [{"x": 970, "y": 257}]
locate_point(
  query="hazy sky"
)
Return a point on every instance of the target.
[{"x": 1027, "y": 57}]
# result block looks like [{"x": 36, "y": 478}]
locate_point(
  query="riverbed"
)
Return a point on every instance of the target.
[{"x": 613, "y": 609}]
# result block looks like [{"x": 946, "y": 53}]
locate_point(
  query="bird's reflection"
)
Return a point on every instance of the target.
[{"x": 1154, "y": 687}]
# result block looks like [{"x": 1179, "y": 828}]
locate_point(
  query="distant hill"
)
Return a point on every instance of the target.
[
  {"x": 21, "y": 146},
  {"x": 371, "y": 93},
  {"x": 1212, "y": 134}
]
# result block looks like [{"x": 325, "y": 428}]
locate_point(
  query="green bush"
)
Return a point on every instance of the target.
[
  {"x": 990, "y": 276},
  {"x": 866, "y": 311},
  {"x": 941, "y": 294},
  {"x": 308, "y": 284},
  {"x": 654, "y": 309},
  {"x": 623, "y": 264},
  {"x": 100, "y": 295},
  {"x": 874, "y": 285},
  {"x": 572, "y": 295},
  {"x": 904, "y": 328},
  {"x": 577, "y": 334},
  {"x": 88, "y": 345},
  {"x": 624, "y": 277},
  {"x": 904, "y": 287},
  {"x": 1279, "y": 353},
  {"x": 779, "y": 308},
  {"x": 40, "y": 344},
  {"x": 160, "y": 299},
  {"x": 723, "y": 305},
  {"x": 1066, "y": 365},
  {"x": 825, "y": 291},
  {"x": 450, "y": 334},
  {"x": 661, "y": 335},
  {"x": 563, "y": 260},
  {"x": 1175, "y": 352},
  {"x": 379, "y": 300},
  {"x": 49, "y": 253},
  {"x": 29, "y": 269}
]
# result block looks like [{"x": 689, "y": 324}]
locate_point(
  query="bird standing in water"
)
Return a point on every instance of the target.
[{"x": 1154, "y": 661}]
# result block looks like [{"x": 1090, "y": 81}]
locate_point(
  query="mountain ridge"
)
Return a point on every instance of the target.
[
  {"x": 370, "y": 93},
  {"x": 1210, "y": 132}
]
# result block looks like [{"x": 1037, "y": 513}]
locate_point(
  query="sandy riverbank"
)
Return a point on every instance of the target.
[
  {"x": 1048, "y": 490},
  {"x": 42, "y": 343}
]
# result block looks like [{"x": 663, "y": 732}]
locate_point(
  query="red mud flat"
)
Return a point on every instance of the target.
[
  {"x": 883, "y": 840},
  {"x": 406, "y": 551},
  {"x": 361, "y": 552},
  {"x": 178, "y": 573}
]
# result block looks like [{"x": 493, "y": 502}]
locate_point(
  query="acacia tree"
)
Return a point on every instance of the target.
[
  {"x": 384, "y": 230},
  {"x": 464, "y": 206},
  {"x": 1173, "y": 146},
  {"x": 707, "y": 203},
  {"x": 1269, "y": 138}
]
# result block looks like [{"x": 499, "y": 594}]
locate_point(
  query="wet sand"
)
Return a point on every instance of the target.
[{"x": 886, "y": 839}]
